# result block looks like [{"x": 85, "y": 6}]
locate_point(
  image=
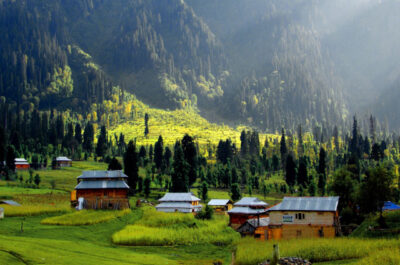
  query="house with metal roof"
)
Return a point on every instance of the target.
[
  {"x": 255, "y": 227},
  {"x": 61, "y": 161},
  {"x": 179, "y": 202},
  {"x": 101, "y": 190},
  {"x": 304, "y": 217},
  {"x": 21, "y": 164},
  {"x": 10, "y": 202},
  {"x": 220, "y": 205},
  {"x": 245, "y": 209}
]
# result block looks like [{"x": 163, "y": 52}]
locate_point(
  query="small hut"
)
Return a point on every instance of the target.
[
  {"x": 21, "y": 164},
  {"x": 179, "y": 202},
  {"x": 255, "y": 227},
  {"x": 101, "y": 190},
  {"x": 61, "y": 161},
  {"x": 220, "y": 206}
]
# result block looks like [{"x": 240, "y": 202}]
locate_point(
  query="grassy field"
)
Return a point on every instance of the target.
[
  {"x": 169, "y": 229},
  {"x": 393, "y": 226},
  {"x": 355, "y": 250},
  {"x": 84, "y": 217}
]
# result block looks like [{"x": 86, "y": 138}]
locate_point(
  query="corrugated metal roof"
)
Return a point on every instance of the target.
[
  {"x": 102, "y": 184},
  {"x": 63, "y": 158},
  {"x": 181, "y": 205},
  {"x": 250, "y": 201},
  {"x": 218, "y": 202},
  {"x": 178, "y": 197},
  {"x": 246, "y": 210},
  {"x": 102, "y": 174},
  {"x": 10, "y": 202},
  {"x": 255, "y": 222},
  {"x": 319, "y": 204},
  {"x": 21, "y": 161}
]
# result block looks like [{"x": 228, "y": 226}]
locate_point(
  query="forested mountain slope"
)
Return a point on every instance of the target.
[{"x": 267, "y": 64}]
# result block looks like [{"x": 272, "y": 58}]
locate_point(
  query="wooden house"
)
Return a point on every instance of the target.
[
  {"x": 61, "y": 161},
  {"x": 245, "y": 209},
  {"x": 255, "y": 227},
  {"x": 220, "y": 206},
  {"x": 21, "y": 164},
  {"x": 101, "y": 190},
  {"x": 179, "y": 202},
  {"x": 304, "y": 217}
]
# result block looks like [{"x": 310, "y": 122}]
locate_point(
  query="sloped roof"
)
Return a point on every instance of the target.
[
  {"x": 102, "y": 184},
  {"x": 10, "y": 202},
  {"x": 250, "y": 201},
  {"x": 21, "y": 161},
  {"x": 219, "y": 202},
  {"x": 179, "y": 197},
  {"x": 246, "y": 210},
  {"x": 94, "y": 174},
  {"x": 263, "y": 222},
  {"x": 63, "y": 158},
  {"x": 319, "y": 204},
  {"x": 180, "y": 205}
]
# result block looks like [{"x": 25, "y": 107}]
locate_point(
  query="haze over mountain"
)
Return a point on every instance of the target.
[{"x": 264, "y": 63}]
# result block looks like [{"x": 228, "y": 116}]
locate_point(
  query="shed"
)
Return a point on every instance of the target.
[
  {"x": 101, "y": 190},
  {"x": 255, "y": 227},
  {"x": 21, "y": 164},
  {"x": 179, "y": 202},
  {"x": 252, "y": 202},
  {"x": 220, "y": 205},
  {"x": 301, "y": 217},
  {"x": 61, "y": 161}
]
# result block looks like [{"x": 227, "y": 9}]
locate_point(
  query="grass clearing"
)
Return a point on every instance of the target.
[
  {"x": 392, "y": 220},
  {"x": 30, "y": 210},
  {"x": 249, "y": 251},
  {"x": 84, "y": 217},
  {"x": 169, "y": 229}
]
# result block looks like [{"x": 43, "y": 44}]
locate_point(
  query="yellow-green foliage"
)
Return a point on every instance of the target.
[
  {"x": 84, "y": 217},
  {"x": 389, "y": 256},
  {"x": 249, "y": 251},
  {"x": 166, "y": 229},
  {"x": 29, "y": 210}
]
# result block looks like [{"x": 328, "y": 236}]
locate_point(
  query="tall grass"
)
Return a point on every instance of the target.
[
  {"x": 30, "y": 210},
  {"x": 250, "y": 251},
  {"x": 167, "y": 229},
  {"x": 84, "y": 217}
]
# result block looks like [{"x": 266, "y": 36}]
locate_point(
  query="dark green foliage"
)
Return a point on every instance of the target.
[
  {"x": 179, "y": 177},
  {"x": 10, "y": 158},
  {"x": 322, "y": 162},
  {"x": 114, "y": 164},
  {"x": 376, "y": 188},
  {"x": 203, "y": 192},
  {"x": 88, "y": 138},
  {"x": 312, "y": 188},
  {"x": 302, "y": 178},
  {"x": 78, "y": 133},
  {"x": 131, "y": 168},
  {"x": 205, "y": 214},
  {"x": 190, "y": 153},
  {"x": 235, "y": 192},
  {"x": 291, "y": 171},
  {"x": 37, "y": 180},
  {"x": 101, "y": 147},
  {"x": 225, "y": 151},
  {"x": 3, "y": 145},
  {"x": 376, "y": 153},
  {"x": 158, "y": 152},
  {"x": 146, "y": 124},
  {"x": 167, "y": 158},
  {"x": 345, "y": 186},
  {"x": 147, "y": 183},
  {"x": 322, "y": 184}
]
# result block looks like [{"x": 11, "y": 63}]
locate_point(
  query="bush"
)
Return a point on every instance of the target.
[{"x": 205, "y": 214}]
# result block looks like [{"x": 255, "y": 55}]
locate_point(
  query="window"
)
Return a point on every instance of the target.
[{"x": 300, "y": 216}]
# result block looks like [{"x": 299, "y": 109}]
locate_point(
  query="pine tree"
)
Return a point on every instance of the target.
[
  {"x": 101, "y": 147},
  {"x": 158, "y": 152},
  {"x": 204, "y": 191},
  {"x": 167, "y": 157},
  {"x": 235, "y": 192},
  {"x": 114, "y": 164},
  {"x": 131, "y": 165},
  {"x": 179, "y": 177},
  {"x": 322, "y": 162},
  {"x": 283, "y": 147},
  {"x": 10, "y": 158},
  {"x": 190, "y": 153},
  {"x": 147, "y": 182},
  {"x": 300, "y": 136},
  {"x": 302, "y": 174},
  {"x": 3, "y": 143},
  {"x": 290, "y": 176},
  {"x": 88, "y": 138},
  {"x": 78, "y": 133},
  {"x": 146, "y": 124},
  {"x": 244, "y": 145},
  {"x": 37, "y": 180}
]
